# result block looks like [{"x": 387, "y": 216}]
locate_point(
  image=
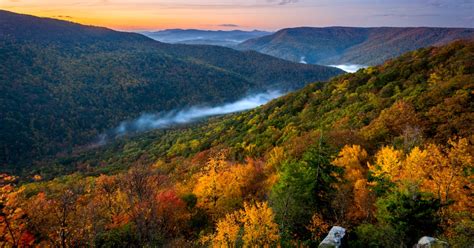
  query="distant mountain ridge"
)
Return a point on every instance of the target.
[
  {"x": 351, "y": 45},
  {"x": 205, "y": 37},
  {"x": 62, "y": 84}
]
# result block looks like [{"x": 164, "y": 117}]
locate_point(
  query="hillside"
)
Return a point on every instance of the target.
[
  {"x": 205, "y": 37},
  {"x": 347, "y": 105},
  {"x": 386, "y": 152},
  {"x": 347, "y": 45},
  {"x": 62, "y": 84}
]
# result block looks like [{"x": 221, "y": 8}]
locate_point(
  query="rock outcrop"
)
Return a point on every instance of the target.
[
  {"x": 430, "y": 242},
  {"x": 334, "y": 238}
]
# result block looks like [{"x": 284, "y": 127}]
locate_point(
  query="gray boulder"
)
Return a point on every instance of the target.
[
  {"x": 430, "y": 242},
  {"x": 334, "y": 238}
]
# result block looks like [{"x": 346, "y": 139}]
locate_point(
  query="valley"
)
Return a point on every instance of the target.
[
  {"x": 356, "y": 123},
  {"x": 62, "y": 91},
  {"x": 304, "y": 137}
]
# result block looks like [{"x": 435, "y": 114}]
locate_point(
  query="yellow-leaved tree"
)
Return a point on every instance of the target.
[
  {"x": 443, "y": 171},
  {"x": 318, "y": 227},
  {"x": 354, "y": 200},
  {"x": 253, "y": 226},
  {"x": 208, "y": 188},
  {"x": 222, "y": 187},
  {"x": 388, "y": 162},
  {"x": 227, "y": 231}
]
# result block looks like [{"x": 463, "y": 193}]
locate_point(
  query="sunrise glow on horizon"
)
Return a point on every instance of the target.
[{"x": 248, "y": 14}]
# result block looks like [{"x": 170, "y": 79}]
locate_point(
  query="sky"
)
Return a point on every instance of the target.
[{"x": 271, "y": 15}]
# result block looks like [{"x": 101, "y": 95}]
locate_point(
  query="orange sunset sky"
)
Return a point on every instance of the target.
[{"x": 249, "y": 14}]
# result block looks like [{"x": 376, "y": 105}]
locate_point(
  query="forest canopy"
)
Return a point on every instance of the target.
[
  {"x": 64, "y": 84},
  {"x": 386, "y": 152}
]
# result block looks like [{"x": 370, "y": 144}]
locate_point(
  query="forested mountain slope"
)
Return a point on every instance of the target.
[
  {"x": 348, "y": 45},
  {"x": 62, "y": 84},
  {"x": 386, "y": 152},
  {"x": 427, "y": 81}
]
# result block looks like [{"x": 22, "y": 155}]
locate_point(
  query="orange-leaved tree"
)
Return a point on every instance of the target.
[{"x": 13, "y": 220}]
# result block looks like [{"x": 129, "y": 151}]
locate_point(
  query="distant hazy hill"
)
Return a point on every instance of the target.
[
  {"x": 347, "y": 45},
  {"x": 61, "y": 84},
  {"x": 205, "y": 37}
]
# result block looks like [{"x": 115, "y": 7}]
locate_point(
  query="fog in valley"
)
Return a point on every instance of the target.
[
  {"x": 150, "y": 121},
  {"x": 351, "y": 68}
]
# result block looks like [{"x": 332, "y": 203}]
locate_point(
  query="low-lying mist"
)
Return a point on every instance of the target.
[
  {"x": 147, "y": 122},
  {"x": 351, "y": 68}
]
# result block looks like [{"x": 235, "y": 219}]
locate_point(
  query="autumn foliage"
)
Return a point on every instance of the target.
[
  {"x": 386, "y": 152},
  {"x": 253, "y": 226}
]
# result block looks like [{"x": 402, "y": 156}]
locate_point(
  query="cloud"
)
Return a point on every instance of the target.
[
  {"x": 303, "y": 60},
  {"x": 228, "y": 25},
  {"x": 63, "y": 17},
  {"x": 451, "y": 3},
  {"x": 283, "y": 2},
  {"x": 196, "y": 4},
  {"x": 405, "y": 15}
]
